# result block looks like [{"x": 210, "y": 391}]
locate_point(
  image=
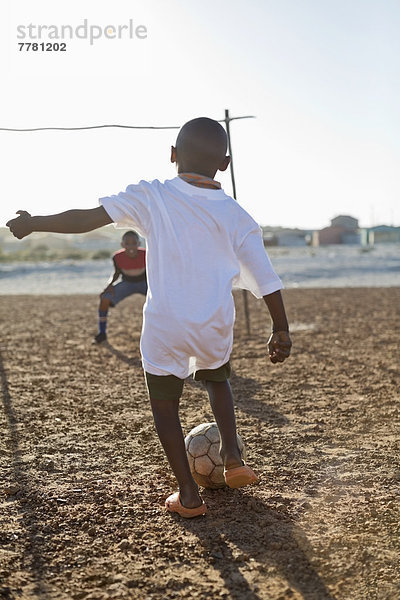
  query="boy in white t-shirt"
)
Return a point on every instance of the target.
[{"x": 200, "y": 243}]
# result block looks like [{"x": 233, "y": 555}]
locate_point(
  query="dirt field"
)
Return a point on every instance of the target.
[{"x": 84, "y": 479}]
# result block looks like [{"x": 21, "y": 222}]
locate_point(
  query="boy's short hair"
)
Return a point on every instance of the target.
[
  {"x": 202, "y": 143},
  {"x": 130, "y": 232}
]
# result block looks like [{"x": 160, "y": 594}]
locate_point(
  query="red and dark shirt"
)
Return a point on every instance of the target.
[{"x": 125, "y": 264}]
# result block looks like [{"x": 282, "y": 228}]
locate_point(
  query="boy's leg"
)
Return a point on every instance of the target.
[
  {"x": 135, "y": 287},
  {"x": 236, "y": 473},
  {"x": 120, "y": 291},
  {"x": 142, "y": 287},
  {"x": 165, "y": 392},
  {"x": 221, "y": 401},
  {"x": 103, "y": 312}
]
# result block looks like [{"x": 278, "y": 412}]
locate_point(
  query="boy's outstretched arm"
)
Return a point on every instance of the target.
[
  {"x": 110, "y": 287},
  {"x": 279, "y": 343},
  {"x": 71, "y": 221}
]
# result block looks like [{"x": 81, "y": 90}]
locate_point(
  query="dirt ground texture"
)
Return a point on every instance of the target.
[{"x": 84, "y": 478}]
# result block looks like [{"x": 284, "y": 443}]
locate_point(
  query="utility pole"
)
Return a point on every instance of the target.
[{"x": 227, "y": 121}]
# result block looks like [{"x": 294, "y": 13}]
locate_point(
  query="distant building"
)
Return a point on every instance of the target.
[
  {"x": 345, "y": 221},
  {"x": 381, "y": 234},
  {"x": 342, "y": 230},
  {"x": 279, "y": 236}
]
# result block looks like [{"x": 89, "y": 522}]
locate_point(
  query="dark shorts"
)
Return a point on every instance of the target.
[
  {"x": 170, "y": 387},
  {"x": 123, "y": 289}
]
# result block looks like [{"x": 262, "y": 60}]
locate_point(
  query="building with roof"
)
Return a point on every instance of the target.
[{"x": 343, "y": 229}]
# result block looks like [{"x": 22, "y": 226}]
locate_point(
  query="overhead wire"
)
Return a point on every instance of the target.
[
  {"x": 110, "y": 126},
  {"x": 87, "y": 127}
]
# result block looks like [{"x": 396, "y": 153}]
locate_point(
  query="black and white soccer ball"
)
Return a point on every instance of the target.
[{"x": 202, "y": 448}]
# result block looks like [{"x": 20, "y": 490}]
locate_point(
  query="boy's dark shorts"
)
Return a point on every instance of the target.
[
  {"x": 123, "y": 289},
  {"x": 170, "y": 387}
]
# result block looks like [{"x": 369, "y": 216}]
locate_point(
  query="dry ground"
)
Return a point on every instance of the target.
[{"x": 83, "y": 477}]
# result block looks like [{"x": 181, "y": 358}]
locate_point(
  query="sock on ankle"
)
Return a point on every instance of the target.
[{"x": 103, "y": 321}]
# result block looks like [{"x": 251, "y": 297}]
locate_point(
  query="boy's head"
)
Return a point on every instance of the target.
[
  {"x": 130, "y": 241},
  {"x": 201, "y": 148}
]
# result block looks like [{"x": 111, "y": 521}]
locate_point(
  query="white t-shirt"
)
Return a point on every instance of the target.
[{"x": 200, "y": 243}]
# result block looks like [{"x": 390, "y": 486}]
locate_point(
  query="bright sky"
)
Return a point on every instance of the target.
[{"x": 322, "y": 78}]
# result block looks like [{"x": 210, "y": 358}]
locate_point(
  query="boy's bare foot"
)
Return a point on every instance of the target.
[
  {"x": 190, "y": 498},
  {"x": 232, "y": 459},
  {"x": 232, "y": 464}
]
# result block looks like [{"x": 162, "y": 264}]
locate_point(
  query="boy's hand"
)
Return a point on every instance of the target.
[
  {"x": 21, "y": 226},
  {"x": 279, "y": 345}
]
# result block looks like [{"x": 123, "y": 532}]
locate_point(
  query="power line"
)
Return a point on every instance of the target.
[
  {"x": 109, "y": 126},
  {"x": 88, "y": 127}
]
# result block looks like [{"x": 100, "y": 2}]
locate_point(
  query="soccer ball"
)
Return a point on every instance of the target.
[{"x": 202, "y": 448}]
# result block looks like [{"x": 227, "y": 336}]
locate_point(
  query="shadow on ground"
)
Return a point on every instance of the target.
[
  {"x": 132, "y": 362},
  {"x": 245, "y": 390},
  {"x": 22, "y": 490},
  {"x": 247, "y": 540}
]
